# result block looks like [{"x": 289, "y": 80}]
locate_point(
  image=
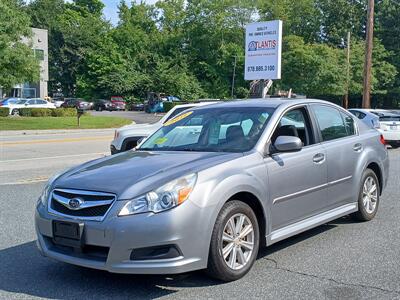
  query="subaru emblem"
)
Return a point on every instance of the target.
[{"x": 75, "y": 203}]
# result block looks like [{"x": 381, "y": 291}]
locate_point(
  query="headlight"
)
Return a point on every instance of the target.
[
  {"x": 166, "y": 197},
  {"x": 46, "y": 191}
]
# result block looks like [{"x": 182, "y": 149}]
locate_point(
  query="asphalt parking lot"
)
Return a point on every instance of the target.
[{"x": 339, "y": 260}]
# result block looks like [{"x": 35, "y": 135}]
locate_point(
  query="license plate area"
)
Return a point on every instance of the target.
[{"x": 68, "y": 233}]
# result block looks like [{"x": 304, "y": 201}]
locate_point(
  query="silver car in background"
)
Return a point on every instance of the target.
[{"x": 211, "y": 186}]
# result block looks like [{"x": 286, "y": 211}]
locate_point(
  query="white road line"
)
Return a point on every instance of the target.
[{"x": 52, "y": 157}]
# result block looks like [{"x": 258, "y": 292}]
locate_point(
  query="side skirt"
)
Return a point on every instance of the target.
[{"x": 301, "y": 226}]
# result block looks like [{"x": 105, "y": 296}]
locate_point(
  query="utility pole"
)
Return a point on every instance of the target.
[
  {"x": 368, "y": 55},
  {"x": 346, "y": 96},
  {"x": 233, "y": 77}
]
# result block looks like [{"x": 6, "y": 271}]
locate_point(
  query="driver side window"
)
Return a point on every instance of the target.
[{"x": 295, "y": 122}]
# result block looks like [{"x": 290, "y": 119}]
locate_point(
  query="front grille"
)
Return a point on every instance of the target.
[{"x": 92, "y": 205}]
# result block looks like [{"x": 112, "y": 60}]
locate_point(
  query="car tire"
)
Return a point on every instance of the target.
[
  {"x": 368, "y": 198},
  {"x": 240, "y": 252},
  {"x": 15, "y": 112}
]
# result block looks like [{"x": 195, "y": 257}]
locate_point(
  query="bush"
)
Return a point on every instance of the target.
[
  {"x": 4, "y": 111},
  {"x": 47, "y": 112},
  {"x": 168, "y": 105},
  {"x": 63, "y": 112}
]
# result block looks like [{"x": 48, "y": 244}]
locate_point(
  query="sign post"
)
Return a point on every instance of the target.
[{"x": 263, "y": 51}]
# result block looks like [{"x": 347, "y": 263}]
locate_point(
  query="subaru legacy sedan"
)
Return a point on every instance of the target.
[{"x": 212, "y": 186}]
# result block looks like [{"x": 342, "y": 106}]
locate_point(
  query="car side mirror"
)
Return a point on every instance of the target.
[{"x": 285, "y": 143}]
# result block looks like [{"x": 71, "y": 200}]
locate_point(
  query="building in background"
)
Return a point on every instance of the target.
[{"x": 39, "y": 43}]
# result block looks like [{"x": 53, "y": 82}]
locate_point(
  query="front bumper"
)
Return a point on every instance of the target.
[{"x": 118, "y": 237}]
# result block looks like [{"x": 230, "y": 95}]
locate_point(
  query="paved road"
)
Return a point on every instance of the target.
[{"x": 339, "y": 260}]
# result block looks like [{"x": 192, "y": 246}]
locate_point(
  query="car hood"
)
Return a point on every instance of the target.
[
  {"x": 139, "y": 129},
  {"x": 132, "y": 173}
]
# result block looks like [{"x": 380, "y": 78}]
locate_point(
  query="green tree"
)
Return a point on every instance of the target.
[
  {"x": 312, "y": 69},
  {"x": 387, "y": 29},
  {"x": 17, "y": 63},
  {"x": 300, "y": 17}
]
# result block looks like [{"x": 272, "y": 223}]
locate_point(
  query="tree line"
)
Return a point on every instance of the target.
[{"x": 187, "y": 48}]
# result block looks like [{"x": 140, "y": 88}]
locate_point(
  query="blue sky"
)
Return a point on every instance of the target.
[{"x": 111, "y": 9}]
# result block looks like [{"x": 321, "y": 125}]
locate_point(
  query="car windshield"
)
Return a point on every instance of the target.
[
  {"x": 389, "y": 118},
  {"x": 219, "y": 129}
]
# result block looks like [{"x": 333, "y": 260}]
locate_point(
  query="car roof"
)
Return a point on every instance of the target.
[
  {"x": 267, "y": 102},
  {"x": 194, "y": 104}
]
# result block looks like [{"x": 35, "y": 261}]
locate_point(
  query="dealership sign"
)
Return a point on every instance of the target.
[{"x": 263, "y": 50}]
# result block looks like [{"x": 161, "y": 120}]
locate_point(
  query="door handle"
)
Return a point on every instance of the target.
[
  {"x": 319, "y": 158},
  {"x": 357, "y": 147}
]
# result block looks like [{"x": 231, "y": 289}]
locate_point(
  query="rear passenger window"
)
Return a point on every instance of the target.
[
  {"x": 349, "y": 124},
  {"x": 331, "y": 123}
]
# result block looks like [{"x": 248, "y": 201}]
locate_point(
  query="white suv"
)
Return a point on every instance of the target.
[{"x": 127, "y": 137}]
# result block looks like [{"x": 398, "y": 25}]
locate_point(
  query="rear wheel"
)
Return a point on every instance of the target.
[
  {"x": 368, "y": 199},
  {"x": 234, "y": 242},
  {"x": 15, "y": 112}
]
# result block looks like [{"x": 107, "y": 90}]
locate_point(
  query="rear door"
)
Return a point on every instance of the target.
[
  {"x": 343, "y": 148},
  {"x": 297, "y": 180}
]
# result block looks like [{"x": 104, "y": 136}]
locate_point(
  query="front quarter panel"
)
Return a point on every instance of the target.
[{"x": 218, "y": 184}]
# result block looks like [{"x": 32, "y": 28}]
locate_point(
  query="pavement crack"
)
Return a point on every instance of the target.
[{"x": 277, "y": 267}]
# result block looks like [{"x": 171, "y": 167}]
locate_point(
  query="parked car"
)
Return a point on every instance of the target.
[
  {"x": 76, "y": 103},
  {"x": 388, "y": 123},
  {"x": 118, "y": 103},
  {"x": 137, "y": 106},
  {"x": 365, "y": 115},
  {"x": 102, "y": 104},
  {"x": 5, "y": 102},
  {"x": 58, "y": 102},
  {"x": 390, "y": 127},
  {"x": 127, "y": 137},
  {"x": 211, "y": 186},
  {"x": 28, "y": 103}
]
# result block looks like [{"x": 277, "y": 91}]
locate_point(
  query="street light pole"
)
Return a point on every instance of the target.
[
  {"x": 368, "y": 56},
  {"x": 346, "y": 96},
  {"x": 233, "y": 77}
]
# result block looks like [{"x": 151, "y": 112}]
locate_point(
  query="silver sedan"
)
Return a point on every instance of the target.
[{"x": 211, "y": 186}]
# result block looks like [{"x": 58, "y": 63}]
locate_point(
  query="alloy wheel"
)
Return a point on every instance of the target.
[
  {"x": 237, "y": 241},
  {"x": 370, "y": 194}
]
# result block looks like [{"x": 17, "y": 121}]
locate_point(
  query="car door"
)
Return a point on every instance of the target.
[
  {"x": 343, "y": 148},
  {"x": 30, "y": 103},
  {"x": 296, "y": 180}
]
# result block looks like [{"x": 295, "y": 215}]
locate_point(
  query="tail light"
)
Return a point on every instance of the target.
[{"x": 382, "y": 140}]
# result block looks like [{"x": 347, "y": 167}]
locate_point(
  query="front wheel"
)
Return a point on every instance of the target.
[
  {"x": 234, "y": 242},
  {"x": 368, "y": 199},
  {"x": 15, "y": 112}
]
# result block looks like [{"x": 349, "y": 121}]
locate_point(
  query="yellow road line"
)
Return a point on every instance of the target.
[
  {"x": 68, "y": 140},
  {"x": 27, "y": 181}
]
